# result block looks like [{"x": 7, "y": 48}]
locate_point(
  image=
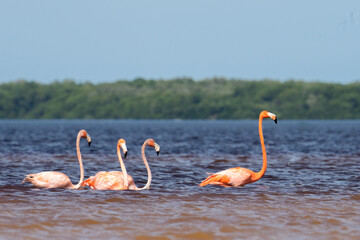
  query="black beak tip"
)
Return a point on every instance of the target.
[
  {"x": 89, "y": 144},
  {"x": 275, "y": 120},
  {"x": 125, "y": 154},
  {"x": 157, "y": 153}
]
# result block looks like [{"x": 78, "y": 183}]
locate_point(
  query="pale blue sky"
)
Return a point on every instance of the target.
[{"x": 101, "y": 41}]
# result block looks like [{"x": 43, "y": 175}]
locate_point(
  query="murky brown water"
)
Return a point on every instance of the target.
[{"x": 310, "y": 190}]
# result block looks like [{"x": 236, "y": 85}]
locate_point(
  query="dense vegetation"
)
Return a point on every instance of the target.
[{"x": 180, "y": 98}]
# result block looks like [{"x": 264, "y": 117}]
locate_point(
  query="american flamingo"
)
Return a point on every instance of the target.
[
  {"x": 113, "y": 180},
  {"x": 238, "y": 177},
  {"x": 121, "y": 180},
  {"x": 52, "y": 179}
]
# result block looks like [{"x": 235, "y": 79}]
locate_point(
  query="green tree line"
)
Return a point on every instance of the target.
[{"x": 181, "y": 98}]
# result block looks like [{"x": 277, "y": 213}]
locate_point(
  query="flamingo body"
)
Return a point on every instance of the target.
[
  {"x": 49, "y": 179},
  {"x": 109, "y": 181},
  {"x": 232, "y": 177}
]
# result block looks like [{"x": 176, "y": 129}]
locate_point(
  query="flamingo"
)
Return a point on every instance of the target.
[
  {"x": 113, "y": 180},
  {"x": 238, "y": 177},
  {"x": 121, "y": 180},
  {"x": 52, "y": 179}
]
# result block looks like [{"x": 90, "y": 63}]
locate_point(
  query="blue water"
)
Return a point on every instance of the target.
[{"x": 310, "y": 189}]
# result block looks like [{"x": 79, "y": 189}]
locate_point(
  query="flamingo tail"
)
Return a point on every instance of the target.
[{"x": 87, "y": 182}]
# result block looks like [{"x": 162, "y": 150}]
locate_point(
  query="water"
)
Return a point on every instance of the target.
[{"x": 310, "y": 190}]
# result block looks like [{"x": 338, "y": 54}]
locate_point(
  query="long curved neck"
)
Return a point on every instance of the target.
[
  {"x": 122, "y": 165},
  {"x": 258, "y": 175},
  {"x": 147, "y": 186},
  {"x": 80, "y": 162}
]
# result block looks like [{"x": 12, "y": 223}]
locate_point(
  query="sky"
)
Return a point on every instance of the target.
[{"x": 104, "y": 41}]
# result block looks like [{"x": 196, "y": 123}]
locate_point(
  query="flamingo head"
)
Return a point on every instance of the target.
[
  {"x": 29, "y": 178},
  {"x": 266, "y": 114},
  {"x": 84, "y": 134},
  {"x": 152, "y": 143},
  {"x": 122, "y": 145}
]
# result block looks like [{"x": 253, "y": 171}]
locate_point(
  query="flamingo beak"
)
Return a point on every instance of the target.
[
  {"x": 124, "y": 148},
  {"x": 272, "y": 116},
  {"x": 157, "y": 148},
  {"x": 88, "y": 138}
]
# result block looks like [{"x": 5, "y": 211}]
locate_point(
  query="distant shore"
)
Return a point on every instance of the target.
[{"x": 181, "y": 98}]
